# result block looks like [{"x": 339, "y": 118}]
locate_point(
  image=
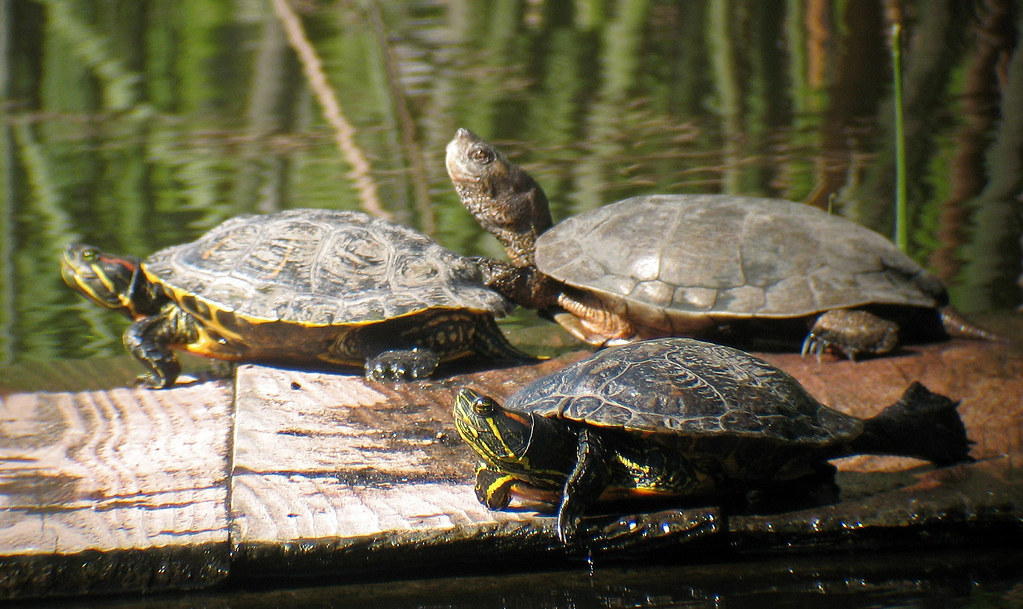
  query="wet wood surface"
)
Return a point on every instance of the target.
[{"x": 297, "y": 473}]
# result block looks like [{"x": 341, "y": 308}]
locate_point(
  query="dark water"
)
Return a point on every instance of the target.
[
  {"x": 136, "y": 125},
  {"x": 973, "y": 578}
]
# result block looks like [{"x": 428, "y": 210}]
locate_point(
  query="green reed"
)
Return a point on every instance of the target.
[{"x": 901, "y": 230}]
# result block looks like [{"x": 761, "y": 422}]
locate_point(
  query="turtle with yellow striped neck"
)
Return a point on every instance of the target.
[
  {"x": 303, "y": 286},
  {"x": 680, "y": 420}
]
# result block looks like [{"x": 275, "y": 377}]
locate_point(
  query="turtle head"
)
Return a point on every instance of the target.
[
  {"x": 499, "y": 436},
  {"x": 110, "y": 281},
  {"x": 504, "y": 199}
]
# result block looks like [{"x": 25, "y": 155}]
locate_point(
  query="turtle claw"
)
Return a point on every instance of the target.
[
  {"x": 815, "y": 345},
  {"x": 151, "y": 381}
]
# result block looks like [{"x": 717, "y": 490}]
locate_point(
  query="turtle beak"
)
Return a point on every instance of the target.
[
  {"x": 453, "y": 155},
  {"x": 76, "y": 271}
]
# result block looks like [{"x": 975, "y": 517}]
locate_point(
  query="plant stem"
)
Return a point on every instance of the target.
[{"x": 901, "y": 231}]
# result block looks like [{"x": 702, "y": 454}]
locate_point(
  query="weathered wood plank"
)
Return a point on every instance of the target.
[
  {"x": 336, "y": 474},
  {"x": 331, "y": 462},
  {"x": 92, "y": 483},
  {"x": 138, "y": 490}
]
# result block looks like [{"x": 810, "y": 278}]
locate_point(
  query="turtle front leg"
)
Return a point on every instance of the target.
[
  {"x": 852, "y": 332},
  {"x": 493, "y": 488},
  {"x": 587, "y": 481},
  {"x": 525, "y": 286},
  {"x": 594, "y": 321},
  {"x": 148, "y": 340}
]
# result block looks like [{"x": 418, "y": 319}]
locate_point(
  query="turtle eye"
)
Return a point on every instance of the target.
[
  {"x": 483, "y": 156},
  {"x": 90, "y": 254},
  {"x": 482, "y": 406}
]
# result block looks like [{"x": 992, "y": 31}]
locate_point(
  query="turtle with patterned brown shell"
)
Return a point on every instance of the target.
[
  {"x": 682, "y": 420},
  {"x": 302, "y": 286},
  {"x": 716, "y": 266}
]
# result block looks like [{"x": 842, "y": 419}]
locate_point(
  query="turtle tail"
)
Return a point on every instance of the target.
[
  {"x": 957, "y": 326},
  {"x": 921, "y": 424}
]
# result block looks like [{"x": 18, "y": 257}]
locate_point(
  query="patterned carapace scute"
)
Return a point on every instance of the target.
[
  {"x": 686, "y": 387},
  {"x": 322, "y": 267}
]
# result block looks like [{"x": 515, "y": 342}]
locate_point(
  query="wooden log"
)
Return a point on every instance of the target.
[{"x": 109, "y": 491}]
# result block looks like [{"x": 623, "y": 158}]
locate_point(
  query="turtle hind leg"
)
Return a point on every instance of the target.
[
  {"x": 412, "y": 347},
  {"x": 851, "y": 331},
  {"x": 921, "y": 424},
  {"x": 814, "y": 489},
  {"x": 488, "y": 340}
]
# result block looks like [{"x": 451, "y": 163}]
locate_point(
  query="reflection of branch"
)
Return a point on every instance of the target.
[
  {"x": 344, "y": 132},
  {"x": 417, "y": 170},
  {"x": 967, "y": 172}
]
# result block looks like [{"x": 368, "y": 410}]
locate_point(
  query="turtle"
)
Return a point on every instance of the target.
[
  {"x": 682, "y": 420},
  {"x": 725, "y": 267},
  {"x": 305, "y": 286}
]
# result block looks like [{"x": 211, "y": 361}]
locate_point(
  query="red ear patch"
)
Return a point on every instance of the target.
[
  {"x": 127, "y": 262},
  {"x": 518, "y": 418}
]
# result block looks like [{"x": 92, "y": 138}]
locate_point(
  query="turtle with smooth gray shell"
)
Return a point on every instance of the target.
[{"x": 717, "y": 266}]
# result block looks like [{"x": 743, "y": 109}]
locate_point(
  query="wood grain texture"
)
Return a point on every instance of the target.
[
  {"x": 331, "y": 460},
  {"x": 114, "y": 472},
  {"x": 334, "y": 455}
]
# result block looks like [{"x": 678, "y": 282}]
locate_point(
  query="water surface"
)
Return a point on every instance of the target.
[{"x": 133, "y": 126}]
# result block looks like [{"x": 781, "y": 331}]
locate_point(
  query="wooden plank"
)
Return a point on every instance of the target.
[
  {"x": 330, "y": 466},
  {"x": 335, "y": 474},
  {"x": 139, "y": 490},
  {"x": 120, "y": 490}
]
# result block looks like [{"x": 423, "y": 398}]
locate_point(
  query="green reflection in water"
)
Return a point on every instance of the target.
[{"x": 138, "y": 125}]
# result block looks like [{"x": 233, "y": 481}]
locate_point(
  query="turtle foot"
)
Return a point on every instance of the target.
[
  {"x": 163, "y": 372},
  {"x": 401, "y": 364},
  {"x": 852, "y": 332},
  {"x": 152, "y": 381}
]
